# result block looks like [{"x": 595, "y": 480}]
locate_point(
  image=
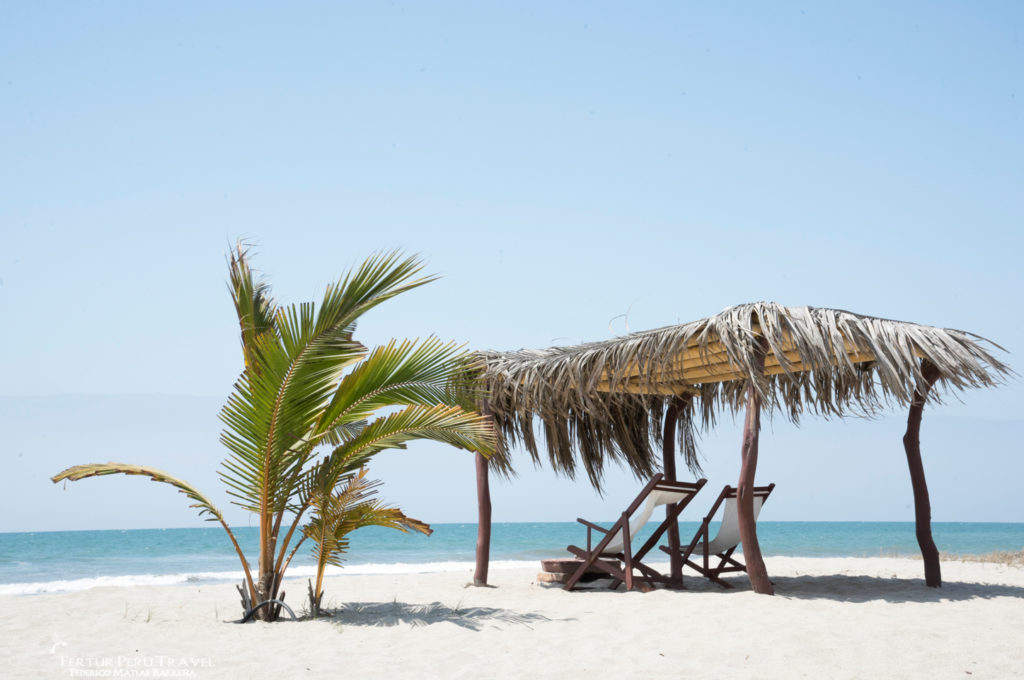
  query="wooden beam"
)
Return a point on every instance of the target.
[
  {"x": 635, "y": 386},
  {"x": 693, "y": 355},
  {"x": 694, "y": 367},
  {"x": 679, "y": 383}
]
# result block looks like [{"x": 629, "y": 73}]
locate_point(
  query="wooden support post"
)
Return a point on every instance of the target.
[
  {"x": 669, "y": 468},
  {"x": 627, "y": 551},
  {"x": 922, "y": 506},
  {"x": 483, "y": 527},
  {"x": 483, "y": 517},
  {"x": 756, "y": 571}
]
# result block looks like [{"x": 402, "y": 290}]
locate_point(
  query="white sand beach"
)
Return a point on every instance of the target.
[{"x": 831, "y": 618}]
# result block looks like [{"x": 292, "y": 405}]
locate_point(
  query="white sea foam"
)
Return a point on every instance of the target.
[
  {"x": 298, "y": 571},
  {"x": 72, "y": 585},
  {"x": 415, "y": 568}
]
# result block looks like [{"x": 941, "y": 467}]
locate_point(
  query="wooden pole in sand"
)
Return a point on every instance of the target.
[
  {"x": 483, "y": 526},
  {"x": 922, "y": 506},
  {"x": 756, "y": 571},
  {"x": 669, "y": 468}
]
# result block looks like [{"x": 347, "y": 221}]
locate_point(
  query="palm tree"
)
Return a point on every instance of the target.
[
  {"x": 312, "y": 406},
  {"x": 338, "y": 511}
]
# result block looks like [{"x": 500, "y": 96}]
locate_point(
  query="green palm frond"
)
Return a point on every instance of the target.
[
  {"x": 448, "y": 424},
  {"x": 378, "y": 279},
  {"x": 331, "y": 545},
  {"x": 199, "y": 501},
  {"x": 253, "y": 305},
  {"x": 338, "y": 511},
  {"x": 399, "y": 373},
  {"x": 272, "y": 415},
  {"x": 275, "y": 417},
  {"x": 342, "y": 432}
]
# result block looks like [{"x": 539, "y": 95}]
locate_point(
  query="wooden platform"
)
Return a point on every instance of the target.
[{"x": 559, "y": 571}]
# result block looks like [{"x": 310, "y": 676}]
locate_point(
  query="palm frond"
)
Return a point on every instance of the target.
[
  {"x": 338, "y": 511},
  {"x": 447, "y": 424},
  {"x": 379, "y": 278},
  {"x": 272, "y": 416},
  {"x": 275, "y": 416},
  {"x": 253, "y": 305},
  {"x": 399, "y": 373},
  {"x": 602, "y": 401},
  {"x": 199, "y": 501}
]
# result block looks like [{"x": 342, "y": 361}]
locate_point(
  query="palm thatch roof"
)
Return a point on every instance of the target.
[{"x": 605, "y": 401}]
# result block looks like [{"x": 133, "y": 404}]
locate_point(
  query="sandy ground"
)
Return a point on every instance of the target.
[{"x": 830, "y": 618}]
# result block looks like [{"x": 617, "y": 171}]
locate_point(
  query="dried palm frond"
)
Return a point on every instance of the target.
[{"x": 604, "y": 401}]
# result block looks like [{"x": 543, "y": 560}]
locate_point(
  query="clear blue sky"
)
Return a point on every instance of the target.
[{"x": 559, "y": 164}]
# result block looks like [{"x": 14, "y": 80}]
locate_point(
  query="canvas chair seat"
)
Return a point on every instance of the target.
[
  {"x": 656, "y": 499},
  {"x": 725, "y": 542},
  {"x": 729, "y": 531}
]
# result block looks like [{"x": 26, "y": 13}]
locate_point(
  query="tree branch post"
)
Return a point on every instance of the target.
[
  {"x": 483, "y": 527},
  {"x": 669, "y": 469},
  {"x": 922, "y": 505},
  {"x": 756, "y": 570}
]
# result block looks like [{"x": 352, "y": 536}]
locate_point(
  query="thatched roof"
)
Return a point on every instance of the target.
[{"x": 605, "y": 400}]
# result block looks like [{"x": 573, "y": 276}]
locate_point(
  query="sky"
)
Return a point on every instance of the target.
[{"x": 572, "y": 171}]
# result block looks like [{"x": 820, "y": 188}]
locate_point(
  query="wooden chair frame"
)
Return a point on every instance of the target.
[
  {"x": 597, "y": 557},
  {"x": 726, "y": 562}
]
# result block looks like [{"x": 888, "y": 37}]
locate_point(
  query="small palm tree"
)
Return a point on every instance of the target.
[
  {"x": 338, "y": 510},
  {"x": 312, "y": 406}
]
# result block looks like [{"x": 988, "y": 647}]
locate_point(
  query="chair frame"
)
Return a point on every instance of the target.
[
  {"x": 594, "y": 557},
  {"x": 726, "y": 562}
]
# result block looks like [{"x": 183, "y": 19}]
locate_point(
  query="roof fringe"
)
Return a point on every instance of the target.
[{"x": 603, "y": 402}]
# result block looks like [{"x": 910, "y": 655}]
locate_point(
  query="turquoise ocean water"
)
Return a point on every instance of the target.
[{"x": 58, "y": 561}]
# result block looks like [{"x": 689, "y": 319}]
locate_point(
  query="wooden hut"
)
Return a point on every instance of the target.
[{"x": 625, "y": 398}]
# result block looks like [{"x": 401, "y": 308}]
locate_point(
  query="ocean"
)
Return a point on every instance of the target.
[{"x": 62, "y": 561}]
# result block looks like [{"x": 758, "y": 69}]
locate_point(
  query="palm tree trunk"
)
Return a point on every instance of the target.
[
  {"x": 922, "y": 505},
  {"x": 266, "y": 583},
  {"x": 756, "y": 570}
]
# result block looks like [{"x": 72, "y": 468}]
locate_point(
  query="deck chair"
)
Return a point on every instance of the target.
[
  {"x": 721, "y": 547},
  {"x": 614, "y": 546}
]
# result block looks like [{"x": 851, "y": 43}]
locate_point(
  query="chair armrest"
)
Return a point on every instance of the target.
[{"x": 591, "y": 525}]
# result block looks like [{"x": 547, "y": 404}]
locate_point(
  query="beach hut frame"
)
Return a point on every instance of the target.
[{"x": 620, "y": 400}]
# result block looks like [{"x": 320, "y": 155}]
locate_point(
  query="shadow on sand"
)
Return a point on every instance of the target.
[
  {"x": 383, "y": 614},
  {"x": 859, "y": 588},
  {"x": 848, "y": 588}
]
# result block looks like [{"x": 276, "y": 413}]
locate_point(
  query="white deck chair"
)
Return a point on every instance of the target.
[
  {"x": 725, "y": 542},
  {"x": 614, "y": 545}
]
